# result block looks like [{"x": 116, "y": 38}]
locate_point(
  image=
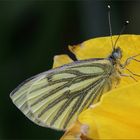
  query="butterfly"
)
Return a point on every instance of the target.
[{"x": 56, "y": 97}]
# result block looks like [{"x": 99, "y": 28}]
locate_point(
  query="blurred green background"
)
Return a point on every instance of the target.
[{"x": 32, "y": 32}]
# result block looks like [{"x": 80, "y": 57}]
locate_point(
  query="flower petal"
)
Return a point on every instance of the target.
[
  {"x": 60, "y": 60},
  {"x": 77, "y": 131},
  {"x": 93, "y": 48},
  {"x": 116, "y": 116},
  {"x": 101, "y": 47}
]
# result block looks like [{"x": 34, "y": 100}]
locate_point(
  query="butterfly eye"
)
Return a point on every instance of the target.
[{"x": 116, "y": 55}]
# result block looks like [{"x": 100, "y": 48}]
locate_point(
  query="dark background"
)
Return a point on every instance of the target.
[{"x": 32, "y": 32}]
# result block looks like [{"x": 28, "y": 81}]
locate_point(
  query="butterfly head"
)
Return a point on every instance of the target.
[{"x": 116, "y": 54}]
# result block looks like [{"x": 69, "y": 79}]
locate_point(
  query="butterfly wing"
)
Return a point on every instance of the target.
[{"x": 55, "y": 98}]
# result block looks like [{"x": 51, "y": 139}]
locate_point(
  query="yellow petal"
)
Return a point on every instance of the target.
[
  {"x": 77, "y": 131},
  {"x": 73, "y": 132},
  {"x": 60, "y": 60},
  {"x": 116, "y": 116},
  {"x": 101, "y": 47}
]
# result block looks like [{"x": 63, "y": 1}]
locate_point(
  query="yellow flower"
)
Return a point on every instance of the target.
[{"x": 117, "y": 115}]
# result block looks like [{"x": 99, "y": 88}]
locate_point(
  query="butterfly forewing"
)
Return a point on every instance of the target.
[{"x": 55, "y": 98}]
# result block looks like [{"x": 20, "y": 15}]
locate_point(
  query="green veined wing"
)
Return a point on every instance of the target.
[{"x": 55, "y": 98}]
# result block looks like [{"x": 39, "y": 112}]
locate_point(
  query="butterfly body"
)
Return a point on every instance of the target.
[{"x": 56, "y": 97}]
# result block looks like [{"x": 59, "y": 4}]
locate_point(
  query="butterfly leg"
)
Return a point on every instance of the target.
[
  {"x": 128, "y": 60},
  {"x": 128, "y": 75},
  {"x": 132, "y": 72}
]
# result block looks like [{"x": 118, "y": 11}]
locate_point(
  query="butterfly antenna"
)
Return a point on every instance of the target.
[
  {"x": 110, "y": 27},
  {"x": 122, "y": 30}
]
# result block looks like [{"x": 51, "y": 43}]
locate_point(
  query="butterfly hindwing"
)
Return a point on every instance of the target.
[{"x": 55, "y": 98}]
